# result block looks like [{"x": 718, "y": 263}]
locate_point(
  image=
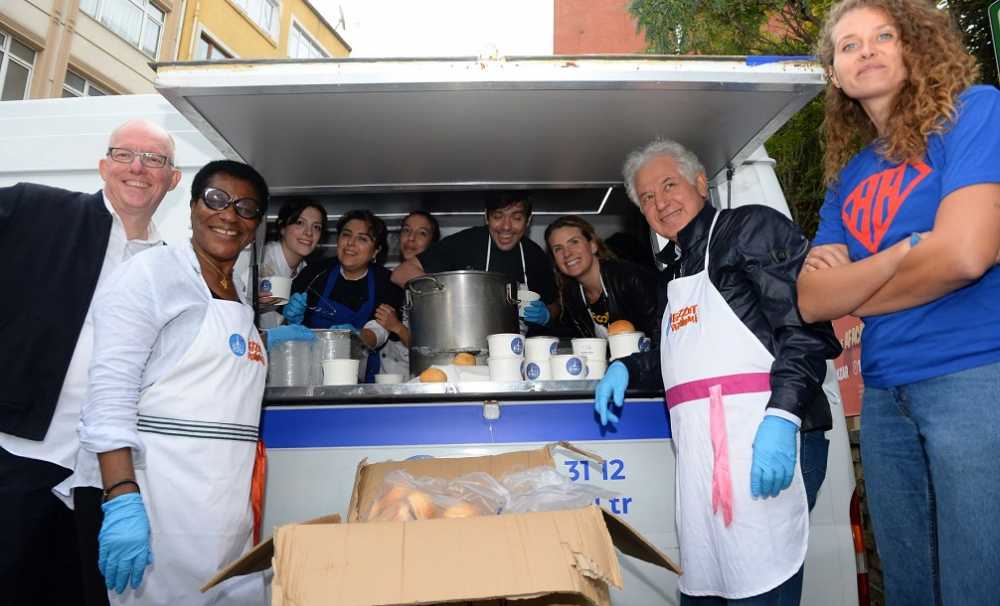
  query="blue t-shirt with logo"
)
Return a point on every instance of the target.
[{"x": 876, "y": 203}]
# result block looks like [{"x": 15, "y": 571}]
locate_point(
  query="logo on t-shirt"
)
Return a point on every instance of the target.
[{"x": 869, "y": 210}]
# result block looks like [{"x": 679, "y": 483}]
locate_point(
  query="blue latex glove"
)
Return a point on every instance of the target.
[
  {"x": 288, "y": 332},
  {"x": 537, "y": 313},
  {"x": 354, "y": 330},
  {"x": 295, "y": 309},
  {"x": 774, "y": 449},
  {"x": 612, "y": 385},
  {"x": 124, "y": 542}
]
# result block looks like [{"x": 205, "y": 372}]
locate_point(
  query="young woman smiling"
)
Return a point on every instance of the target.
[
  {"x": 596, "y": 289},
  {"x": 344, "y": 292}
]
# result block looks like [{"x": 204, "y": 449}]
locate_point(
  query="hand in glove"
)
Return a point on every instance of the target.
[
  {"x": 295, "y": 309},
  {"x": 537, "y": 313},
  {"x": 612, "y": 385},
  {"x": 124, "y": 542},
  {"x": 288, "y": 332},
  {"x": 774, "y": 449}
]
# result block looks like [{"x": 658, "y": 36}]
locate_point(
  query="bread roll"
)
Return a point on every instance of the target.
[
  {"x": 620, "y": 326},
  {"x": 464, "y": 359},
  {"x": 386, "y": 506},
  {"x": 461, "y": 510},
  {"x": 422, "y": 505},
  {"x": 433, "y": 375}
]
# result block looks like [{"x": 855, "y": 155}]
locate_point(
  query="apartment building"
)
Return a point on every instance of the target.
[{"x": 71, "y": 48}]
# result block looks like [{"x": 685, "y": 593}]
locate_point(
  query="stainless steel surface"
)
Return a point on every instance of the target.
[
  {"x": 435, "y": 124},
  {"x": 455, "y": 311},
  {"x": 406, "y": 392}
]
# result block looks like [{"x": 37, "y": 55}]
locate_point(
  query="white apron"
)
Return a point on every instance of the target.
[
  {"x": 198, "y": 426},
  {"x": 716, "y": 374}
]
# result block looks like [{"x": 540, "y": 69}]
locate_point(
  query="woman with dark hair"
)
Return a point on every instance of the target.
[
  {"x": 301, "y": 228},
  {"x": 176, "y": 384},
  {"x": 419, "y": 230},
  {"x": 344, "y": 292},
  {"x": 595, "y": 288},
  {"x": 908, "y": 239}
]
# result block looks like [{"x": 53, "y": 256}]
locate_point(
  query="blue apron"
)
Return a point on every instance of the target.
[{"x": 334, "y": 312}]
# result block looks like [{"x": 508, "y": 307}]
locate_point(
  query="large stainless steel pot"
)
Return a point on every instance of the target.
[{"x": 455, "y": 311}]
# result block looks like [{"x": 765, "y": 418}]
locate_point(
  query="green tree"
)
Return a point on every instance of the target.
[{"x": 776, "y": 27}]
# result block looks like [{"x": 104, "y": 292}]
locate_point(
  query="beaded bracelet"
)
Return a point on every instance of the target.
[{"x": 107, "y": 491}]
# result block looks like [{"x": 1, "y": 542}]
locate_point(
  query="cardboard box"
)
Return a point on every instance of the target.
[{"x": 556, "y": 558}]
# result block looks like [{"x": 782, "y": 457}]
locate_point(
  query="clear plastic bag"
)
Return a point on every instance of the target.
[
  {"x": 544, "y": 489},
  {"x": 404, "y": 497}
]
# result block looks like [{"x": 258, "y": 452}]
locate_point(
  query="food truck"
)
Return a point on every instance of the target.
[{"x": 393, "y": 135}]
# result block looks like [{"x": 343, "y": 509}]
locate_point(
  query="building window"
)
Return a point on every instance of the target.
[
  {"x": 263, "y": 12},
  {"x": 76, "y": 85},
  {"x": 138, "y": 21},
  {"x": 207, "y": 50},
  {"x": 302, "y": 46},
  {"x": 16, "y": 63}
]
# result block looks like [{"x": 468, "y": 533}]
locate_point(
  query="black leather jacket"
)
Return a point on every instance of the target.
[
  {"x": 631, "y": 296},
  {"x": 756, "y": 257}
]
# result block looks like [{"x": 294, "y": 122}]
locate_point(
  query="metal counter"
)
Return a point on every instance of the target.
[{"x": 370, "y": 393}]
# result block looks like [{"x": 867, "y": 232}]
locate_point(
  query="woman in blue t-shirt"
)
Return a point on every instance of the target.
[{"x": 908, "y": 239}]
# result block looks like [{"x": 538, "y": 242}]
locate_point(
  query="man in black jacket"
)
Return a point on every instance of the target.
[
  {"x": 61, "y": 245},
  {"x": 755, "y": 254}
]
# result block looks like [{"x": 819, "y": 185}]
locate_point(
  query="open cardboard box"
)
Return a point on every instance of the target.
[{"x": 555, "y": 558}]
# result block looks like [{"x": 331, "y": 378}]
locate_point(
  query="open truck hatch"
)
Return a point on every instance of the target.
[{"x": 326, "y": 127}]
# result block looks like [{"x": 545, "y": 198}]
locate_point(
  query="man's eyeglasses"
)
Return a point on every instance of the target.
[
  {"x": 148, "y": 159},
  {"x": 219, "y": 200}
]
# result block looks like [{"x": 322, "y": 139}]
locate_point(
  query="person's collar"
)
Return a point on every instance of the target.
[
  {"x": 152, "y": 233},
  {"x": 690, "y": 236}
]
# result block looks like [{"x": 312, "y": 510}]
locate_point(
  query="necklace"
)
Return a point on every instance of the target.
[{"x": 223, "y": 277}]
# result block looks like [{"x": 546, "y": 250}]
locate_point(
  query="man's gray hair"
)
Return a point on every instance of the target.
[{"x": 687, "y": 163}]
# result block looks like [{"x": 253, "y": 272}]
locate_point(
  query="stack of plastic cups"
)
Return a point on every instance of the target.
[
  {"x": 329, "y": 345},
  {"x": 290, "y": 364},
  {"x": 595, "y": 353},
  {"x": 538, "y": 352},
  {"x": 506, "y": 357}
]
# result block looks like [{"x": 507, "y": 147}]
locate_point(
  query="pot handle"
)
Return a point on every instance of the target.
[
  {"x": 511, "y": 299},
  {"x": 411, "y": 286}
]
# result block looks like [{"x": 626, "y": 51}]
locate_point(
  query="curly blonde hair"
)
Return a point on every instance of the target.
[{"x": 938, "y": 68}]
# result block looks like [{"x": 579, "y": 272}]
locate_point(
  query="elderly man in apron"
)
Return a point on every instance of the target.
[{"x": 742, "y": 376}]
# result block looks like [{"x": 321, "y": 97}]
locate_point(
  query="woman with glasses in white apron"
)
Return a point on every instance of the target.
[
  {"x": 742, "y": 375},
  {"x": 177, "y": 380}
]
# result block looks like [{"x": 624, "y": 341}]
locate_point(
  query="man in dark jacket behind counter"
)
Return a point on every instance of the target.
[{"x": 742, "y": 374}]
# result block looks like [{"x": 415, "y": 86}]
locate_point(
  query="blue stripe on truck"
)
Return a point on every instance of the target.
[{"x": 391, "y": 425}]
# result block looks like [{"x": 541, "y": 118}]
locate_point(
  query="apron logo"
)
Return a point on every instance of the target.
[
  {"x": 237, "y": 344},
  {"x": 869, "y": 210},
  {"x": 683, "y": 317},
  {"x": 255, "y": 352}
]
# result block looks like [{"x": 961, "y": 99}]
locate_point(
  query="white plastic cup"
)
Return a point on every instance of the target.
[
  {"x": 627, "y": 343},
  {"x": 278, "y": 287},
  {"x": 340, "y": 372},
  {"x": 596, "y": 368},
  {"x": 538, "y": 369},
  {"x": 506, "y": 345},
  {"x": 505, "y": 369},
  {"x": 566, "y": 366},
  {"x": 592, "y": 349},
  {"x": 388, "y": 378},
  {"x": 540, "y": 348}
]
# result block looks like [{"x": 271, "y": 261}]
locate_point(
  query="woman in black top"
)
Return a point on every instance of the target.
[
  {"x": 344, "y": 292},
  {"x": 595, "y": 288}
]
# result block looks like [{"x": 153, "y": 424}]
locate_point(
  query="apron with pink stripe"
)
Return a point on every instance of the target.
[{"x": 717, "y": 379}]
